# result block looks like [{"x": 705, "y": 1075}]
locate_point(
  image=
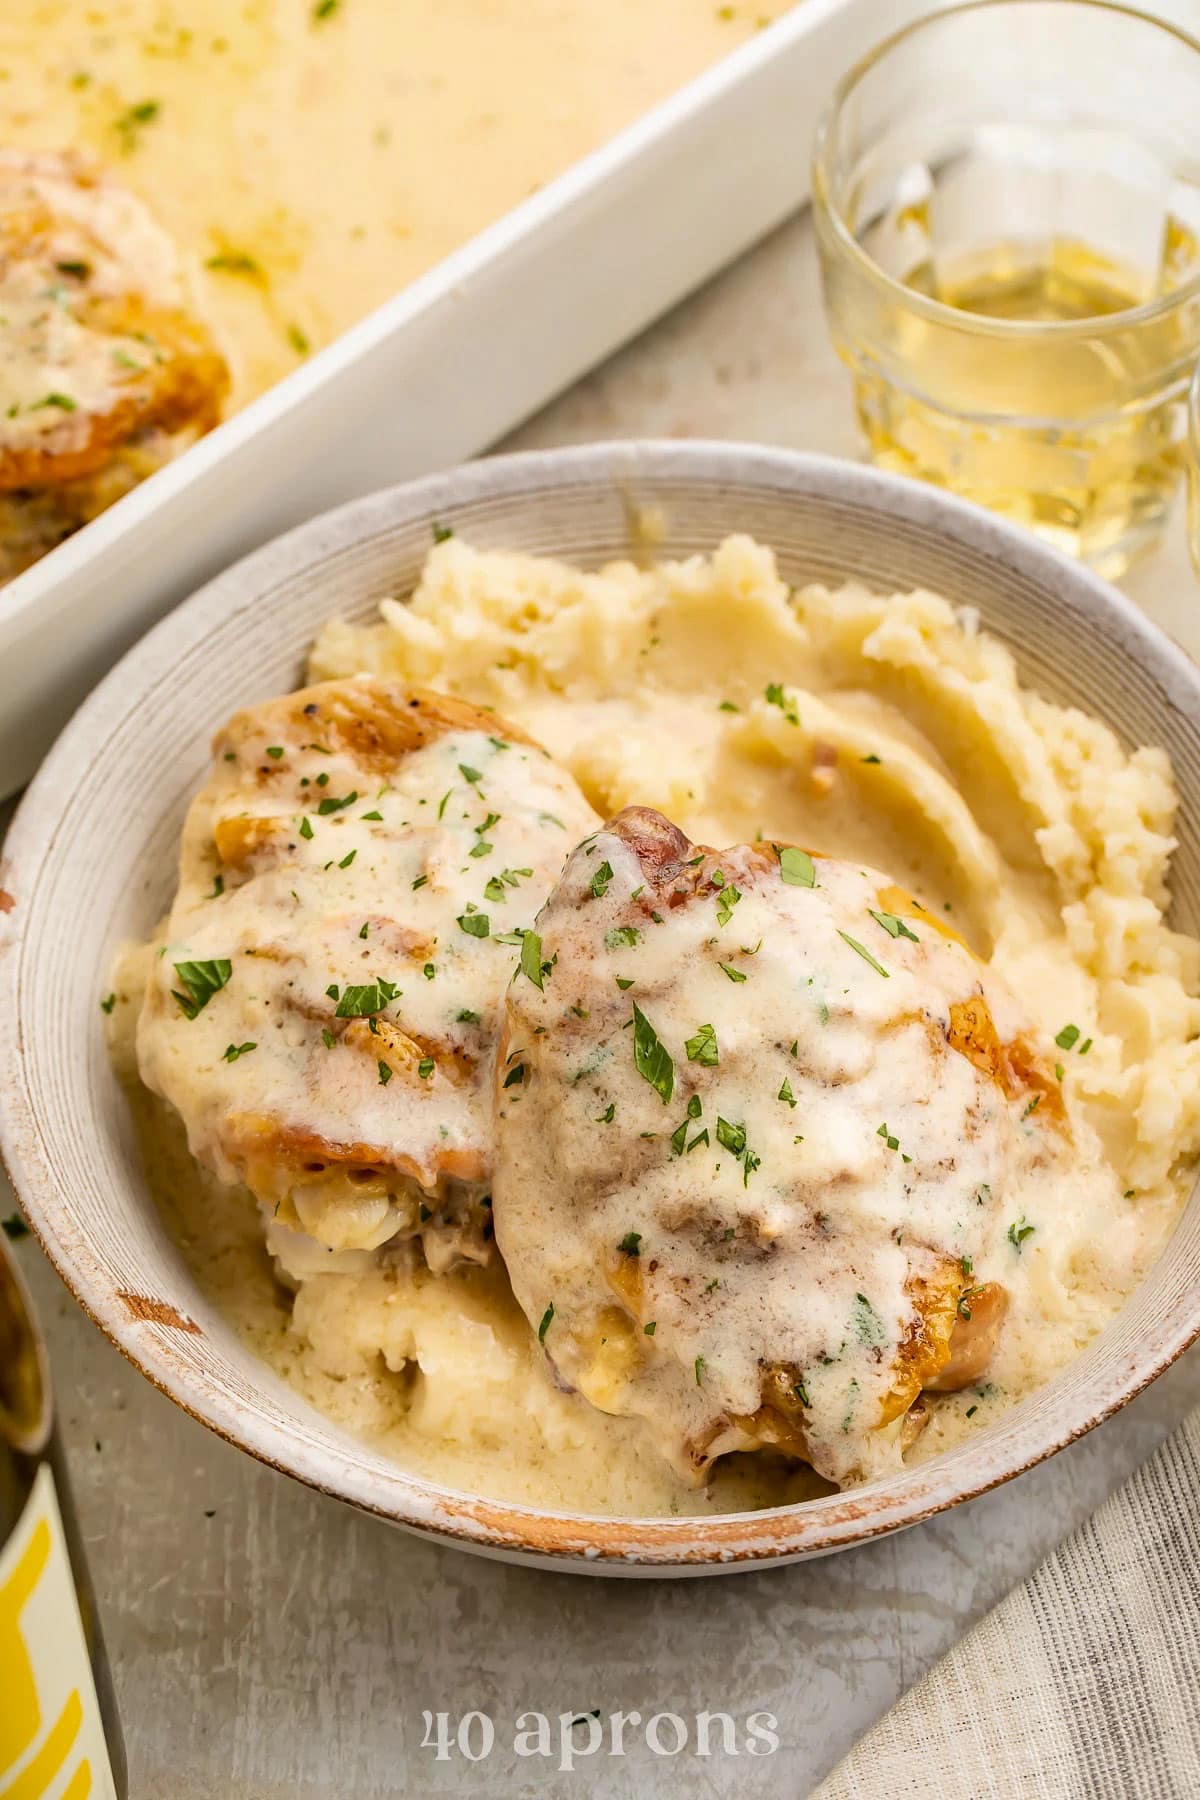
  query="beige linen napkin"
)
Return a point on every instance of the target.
[{"x": 1083, "y": 1685}]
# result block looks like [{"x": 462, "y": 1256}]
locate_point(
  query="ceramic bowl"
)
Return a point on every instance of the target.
[{"x": 90, "y": 858}]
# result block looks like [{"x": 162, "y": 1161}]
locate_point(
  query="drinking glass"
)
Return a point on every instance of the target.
[{"x": 1007, "y": 206}]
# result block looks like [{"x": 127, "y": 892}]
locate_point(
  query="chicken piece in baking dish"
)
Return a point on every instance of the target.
[
  {"x": 762, "y": 1122},
  {"x": 324, "y": 1012},
  {"x": 105, "y": 374}
]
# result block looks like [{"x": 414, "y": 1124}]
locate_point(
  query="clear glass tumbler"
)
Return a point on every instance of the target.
[{"x": 1007, "y": 205}]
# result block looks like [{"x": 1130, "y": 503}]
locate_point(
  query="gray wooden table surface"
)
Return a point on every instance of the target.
[{"x": 269, "y": 1643}]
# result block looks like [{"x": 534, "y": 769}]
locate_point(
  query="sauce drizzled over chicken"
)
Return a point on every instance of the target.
[
  {"x": 767, "y": 1136},
  {"x": 324, "y": 1012},
  {"x": 105, "y": 375}
]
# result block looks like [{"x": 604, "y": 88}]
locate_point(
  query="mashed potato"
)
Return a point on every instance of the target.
[{"x": 889, "y": 730}]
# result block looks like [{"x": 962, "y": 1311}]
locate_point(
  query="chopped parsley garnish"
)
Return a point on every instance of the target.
[
  {"x": 365, "y": 928},
  {"x": 1018, "y": 1231},
  {"x": 217, "y": 889},
  {"x": 420, "y": 882},
  {"x": 429, "y": 971},
  {"x": 622, "y": 937},
  {"x": 297, "y": 339},
  {"x": 515, "y": 1076},
  {"x": 733, "y": 1137},
  {"x": 347, "y": 859},
  {"x": 699, "y": 1367},
  {"x": 866, "y": 1323},
  {"x": 893, "y": 1143},
  {"x": 15, "y": 1227},
  {"x": 598, "y": 885},
  {"x": 733, "y": 974},
  {"x": 200, "y": 981},
  {"x": 624, "y": 982},
  {"x": 1068, "y": 1037},
  {"x": 331, "y": 803},
  {"x": 727, "y": 900},
  {"x": 306, "y": 829},
  {"x": 374, "y": 815},
  {"x": 785, "y": 1093},
  {"x": 651, "y": 1058},
  {"x": 801, "y": 1393},
  {"x": 864, "y": 953},
  {"x": 679, "y": 1135},
  {"x": 608, "y": 1115},
  {"x": 231, "y": 1052},
  {"x": 649, "y": 1329},
  {"x": 275, "y": 751},
  {"x": 703, "y": 1048},
  {"x": 440, "y": 534},
  {"x": 362, "y": 1001},
  {"x": 474, "y": 776},
  {"x": 64, "y": 402},
  {"x": 778, "y": 696},
  {"x": 235, "y": 262},
  {"x": 631, "y": 1244},
  {"x": 493, "y": 889},
  {"x": 385, "y": 1073},
  {"x": 531, "y": 958},
  {"x": 871, "y": 759},
  {"x": 548, "y": 1315},
  {"x": 893, "y": 926},
  {"x": 467, "y": 1017},
  {"x": 1032, "y": 1106},
  {"x": 328, "y": 1039},
  {"x": 425, "y": 1067},
  {"x": 108, "y": 1002},
  {"x": 1085, "y": 1046},
  {"x": 796, "y": 867},
  {"x": 728, "y": 706},
  {"x": 475, "y": 924}
]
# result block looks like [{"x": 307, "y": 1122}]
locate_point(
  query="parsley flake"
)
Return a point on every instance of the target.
[
  {"x": 365, "y": 999},
  {"x": 894, "y": 927},
  {"x": 796, "y": 867},
  {"x": 703, "y": 1048},
  {"x": 651, "y": 1058},
  {"x": 864, "y": 953},
  {"x": 200, "y": 981}
]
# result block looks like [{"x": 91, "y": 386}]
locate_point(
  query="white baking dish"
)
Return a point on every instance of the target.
[{"x": 450, "y": 363}]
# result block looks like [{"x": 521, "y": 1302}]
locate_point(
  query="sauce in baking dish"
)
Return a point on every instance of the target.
[{"x": 310, "y": 157}]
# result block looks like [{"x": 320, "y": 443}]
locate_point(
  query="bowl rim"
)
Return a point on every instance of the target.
[{"x": 554, "y": 1538}]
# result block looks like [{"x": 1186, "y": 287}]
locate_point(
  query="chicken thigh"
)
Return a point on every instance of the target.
[
  {"x": 761, "y": 1121},
  {"x": 324, "y": 1011}
]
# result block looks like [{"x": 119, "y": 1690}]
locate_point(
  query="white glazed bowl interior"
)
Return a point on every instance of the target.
[{"x": 90, "y": 862}]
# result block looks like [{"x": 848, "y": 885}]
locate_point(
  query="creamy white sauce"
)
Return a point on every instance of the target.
[
  {"x": 1029, "y": 827},
  {"x": 323, "y": 1010},
  {"x": 765, "y": 1134}
]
